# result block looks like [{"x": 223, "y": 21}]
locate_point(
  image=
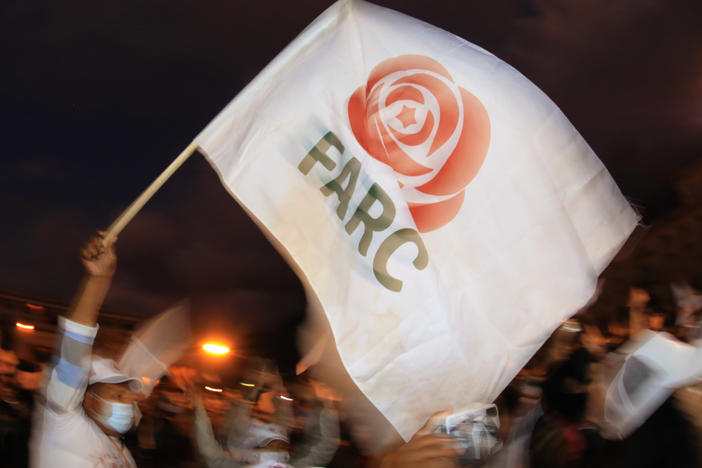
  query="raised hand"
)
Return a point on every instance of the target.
[
  {"x": 99, "y": 257},
  {"x": 100, "y": 262}
]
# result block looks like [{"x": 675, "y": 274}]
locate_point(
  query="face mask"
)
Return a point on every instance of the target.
[
  {"x": 121, "y": 415},
  {"x": 260, "y": 434},
  {"x": 266, "y": 459}
]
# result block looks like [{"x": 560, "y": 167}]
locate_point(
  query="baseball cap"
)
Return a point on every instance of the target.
[{"x": 104, "y": 370}]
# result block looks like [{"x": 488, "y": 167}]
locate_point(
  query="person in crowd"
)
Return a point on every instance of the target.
[
  {"x": 593, "y": 342},
  {"x": 8, "y": 368},
  {"x": 517, "y": 421},
  {"x": 258, "y": 428},
  {"x": 86, "y": 405},
  {"x": 617, "y": 333},
  {"x": 632, "y": 402},
  {"x": 689, "y": 330},
  {"x": 562, "y": 437},
  {"x": 172, "y": 427},
  {"x": 318, "y": 424},
  {"x": 15, "y": 411}
]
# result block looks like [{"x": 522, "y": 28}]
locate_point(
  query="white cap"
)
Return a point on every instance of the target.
[{"x": 105, "y": 370}]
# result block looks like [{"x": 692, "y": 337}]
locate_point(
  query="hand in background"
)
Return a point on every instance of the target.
[
  {"x": 424, "y": 450},
  {"x": 193, "y": 393}
]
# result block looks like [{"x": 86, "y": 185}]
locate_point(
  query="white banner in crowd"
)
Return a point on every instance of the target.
[{"x": 444, "y": 211}]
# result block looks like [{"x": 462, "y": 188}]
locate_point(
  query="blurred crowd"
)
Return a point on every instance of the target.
[{"x": 622, "y": 390}]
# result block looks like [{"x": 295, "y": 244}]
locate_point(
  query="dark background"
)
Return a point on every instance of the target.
[{"x": 96, "y": 98}]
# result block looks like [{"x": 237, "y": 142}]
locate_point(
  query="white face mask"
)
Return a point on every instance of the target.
[
  {"x": 267, "y": 459},
  {"x": 122, "y": 416},
  {"x": 260, "y": 434}
]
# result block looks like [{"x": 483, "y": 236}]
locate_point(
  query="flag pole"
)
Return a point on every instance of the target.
[{"x": 124, "y": 219}]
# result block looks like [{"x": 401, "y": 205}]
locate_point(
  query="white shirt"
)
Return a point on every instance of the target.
[
  {"x": 72, "y": 439},
  {"x": 63, "y": 436}
]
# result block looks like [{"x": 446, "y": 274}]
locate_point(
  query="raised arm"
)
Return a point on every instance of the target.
[
  {"x": 211, "y": 452},
  {"x": 100, "y": 262},
  {"x": 321, "y": 438},
  {"x": 71, "y": 363}
]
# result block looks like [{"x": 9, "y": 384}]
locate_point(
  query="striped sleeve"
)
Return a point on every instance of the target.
[{"x": 68, "y": 378}]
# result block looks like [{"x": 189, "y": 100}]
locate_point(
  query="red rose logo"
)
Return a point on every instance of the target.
[{"x": 411, "y": 116}]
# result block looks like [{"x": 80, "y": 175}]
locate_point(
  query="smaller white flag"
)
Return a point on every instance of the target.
[{"x": 157, "y": 344}]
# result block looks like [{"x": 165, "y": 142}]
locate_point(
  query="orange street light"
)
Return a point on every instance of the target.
[
  {"x": 25, "y": 326},
  {"x": 214, "y": 348},
  {"x": 213, "y": 389}
]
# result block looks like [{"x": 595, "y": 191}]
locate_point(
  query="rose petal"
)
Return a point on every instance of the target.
[
  {"x": 362, "y": 125},
  {"x": 404, "y": 62},
  {"x": 404, "y": 93},
  {"x": 466, "y": 160},
  {"x": 431, "y": 216},
  {"x": 357, "y": 117}
]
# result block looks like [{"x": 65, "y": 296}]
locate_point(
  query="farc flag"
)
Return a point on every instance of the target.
[{"x": 442, "y": 209}]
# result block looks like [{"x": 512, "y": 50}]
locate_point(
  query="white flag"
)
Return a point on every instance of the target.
[
  {"x": 444, "y": 211},
  {"x": 157, "y": 344}
]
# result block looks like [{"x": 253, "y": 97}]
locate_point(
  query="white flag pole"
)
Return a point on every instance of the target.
[{"x": 124, "y": 219}]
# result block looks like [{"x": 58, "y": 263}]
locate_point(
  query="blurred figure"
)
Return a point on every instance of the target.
[
  {"x": 631, "y": 401},
  {"x": 8, "y": 367},
  {"x": 689, "y": 312},
  {"x": 87, "y": 405},
  {"x": 172, "y": 421},
  {"x": 164, "y": 436},
  {"x": 562, "y": 437},
  {"x": 257, "y": 426},
  {"x": 15, "y": 412},
  {"x": 689, "y": 330},
  {"x": 617, "y": 333},
  {"x": 518, "y": 416},
  {"x": 594, "y": 343},
  {"x": 318, "y": 421}
]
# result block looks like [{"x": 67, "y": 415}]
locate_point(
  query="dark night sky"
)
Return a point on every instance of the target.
[{"x": 98, "y": 97}]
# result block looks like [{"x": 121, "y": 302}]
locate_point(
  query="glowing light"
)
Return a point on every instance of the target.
[
  {"x": 246, "y": 384},
  {"x": 286, "y": 398},
  {"x": 34, "y": 307},
  {"x": 214, "y": 348},
  {"x": 212, "y": 389},
  {"x": 24, "y": 326}
]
